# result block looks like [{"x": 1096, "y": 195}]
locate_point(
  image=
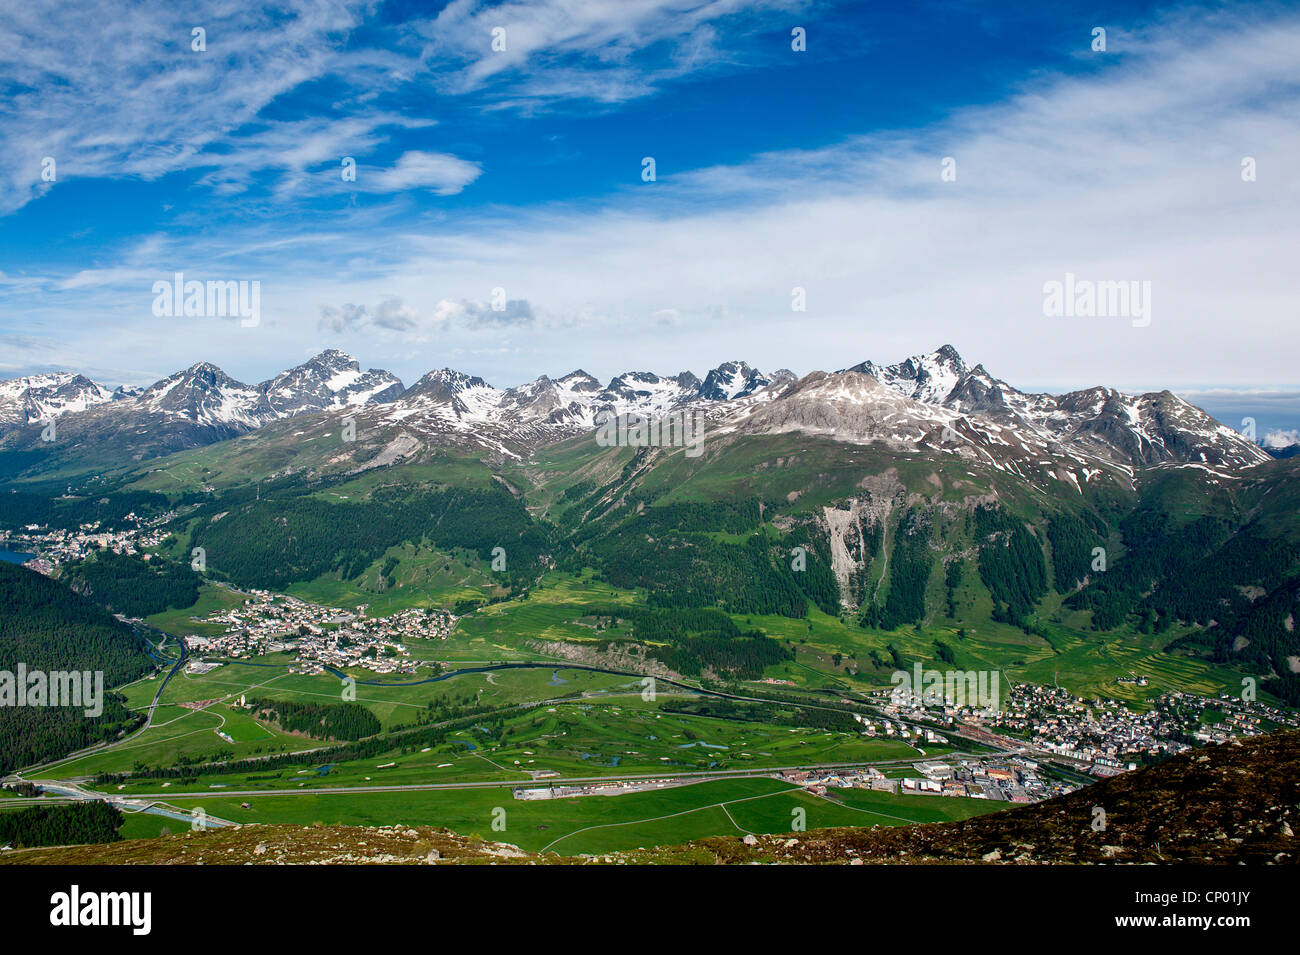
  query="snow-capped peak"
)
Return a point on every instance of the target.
[
  {"x": 930, "y": 402},
  {"x": 332, "y": 379},
  {"x": 41, "y": 397},
  {"x": 930, "y": 378},
  {"x": 731, "y": 380}
]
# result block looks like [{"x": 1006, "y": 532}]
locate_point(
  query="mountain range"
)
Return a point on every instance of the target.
[
  {"x": 925, "y": 509},
  {"x": 929, "y": 402}
]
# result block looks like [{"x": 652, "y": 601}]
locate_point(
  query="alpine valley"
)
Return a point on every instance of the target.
[{"x": 501, "y": 587}]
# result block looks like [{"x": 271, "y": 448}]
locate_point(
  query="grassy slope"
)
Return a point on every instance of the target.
[
  {"x": 802, "y": 474},
  {"x": 1228, "y": 804}
]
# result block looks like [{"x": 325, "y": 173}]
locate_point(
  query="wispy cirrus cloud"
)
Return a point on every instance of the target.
[
  {"x": 542, "y": 51},
  {"x": 1128, "y": 170},
  {"x": 300, "y": 152},
  {"x": 113, "y": 90},
  {"x": 116, "y": 91}
]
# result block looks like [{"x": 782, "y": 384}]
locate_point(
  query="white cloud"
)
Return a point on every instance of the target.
[
  {"x": 1128, "y": 172},
  {"x": 603, "y": 50},
  {"x": 114, "y": 90},
  {"x": 473, "y": 314},
  {"x": 438, "y": 172},
  {"x": 299, "y": 149},
  {"x": 391, "y": 313}
]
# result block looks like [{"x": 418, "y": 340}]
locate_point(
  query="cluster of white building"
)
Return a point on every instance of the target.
[
  {"x": 614, "y": 787},
  {"x": 886, "y": 728},
  {"x": 818, "y": 781},
  {"x": 321, "y": 636},
  {"x": 55, "y": 546},
  {"x": 1015, "y": 779},
  {"x": 1107, "y": 733}
]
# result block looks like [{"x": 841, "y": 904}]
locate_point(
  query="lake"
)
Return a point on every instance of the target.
[{"x": 14, "y": 557}]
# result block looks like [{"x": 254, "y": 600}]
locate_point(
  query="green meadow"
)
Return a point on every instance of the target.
[
  {"x": 595, "y": 824},
  {"x": 577, "y": 723},
  {"x": 605, "y": 734}
]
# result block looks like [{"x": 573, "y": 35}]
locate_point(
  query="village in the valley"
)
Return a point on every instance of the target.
[
  {"x": 1046, "y": 726},
  {"x": 1101, "y": 737},
  {"x": 321, "y": 637},
  {"x": 52, "y": 547}
]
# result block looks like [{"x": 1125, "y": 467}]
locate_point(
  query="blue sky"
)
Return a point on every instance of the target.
[{"x": 521, "y": 170}]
